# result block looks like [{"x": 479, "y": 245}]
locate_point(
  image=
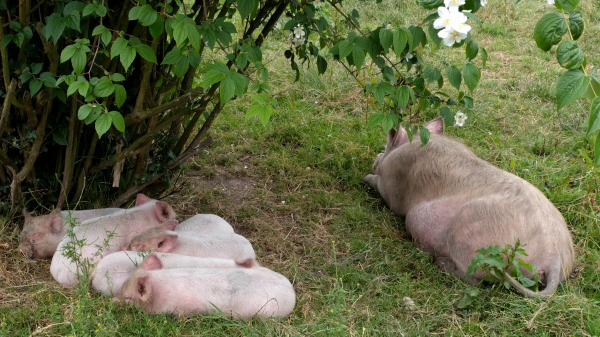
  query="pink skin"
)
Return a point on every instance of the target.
[
  {"x": 205, "y": 224},
  {"x": 112, "y": 271},
  {"x": 236, "y": 292},
  {"x": 41, "y": 234},
  {"x": 125, "y": 225},
  {"x": 226, "y": 246},
  {"x": 456, "y": 203}
]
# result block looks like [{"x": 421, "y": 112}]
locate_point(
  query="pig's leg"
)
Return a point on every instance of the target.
[{"x": 373, "y": 181}]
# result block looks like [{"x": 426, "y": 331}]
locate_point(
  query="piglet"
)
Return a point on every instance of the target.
[
  {"x": 226, "y": 246},
  {"x": 115, "y": 268},
  {"x": 205, "y": 224},
  {"x": 456, "y": 203},
  {"x": 236, "y": 292},
  {"x": 106, "y": 235},
  {"x": 41, "y": 234}
]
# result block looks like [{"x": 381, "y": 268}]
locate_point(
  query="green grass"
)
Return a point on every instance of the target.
[{"x": 294, "y": 189}]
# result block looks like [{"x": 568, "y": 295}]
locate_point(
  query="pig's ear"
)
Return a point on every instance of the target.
[
  {"x": 26, "y": 214},
  {"x": 167, "y": 243},
  {"x": 151, "y": 262},
  {"x": 163, "y": 211},
  {"x": 436, "y": 125},
  {"x": 55, "y": 223},
  {"x": 141, "y": 199},
  {"x": 170, "y": 225},
  {"x": 143, "y": 289},
  {"x": 396, "y": 138}
]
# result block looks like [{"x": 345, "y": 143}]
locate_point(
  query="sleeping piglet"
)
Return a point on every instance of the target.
[
  {"x": 226, "y": 246},
  {"x": 115, "y": 268},
  {"x": 41, "y": 234},
  {"x": 456, "y": 203},
  {"x": 107, "y": 235},
  {"x": 236, "y": 292}
]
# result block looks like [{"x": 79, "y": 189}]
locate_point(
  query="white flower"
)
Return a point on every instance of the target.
[
  {"x": 283, "y": 202},
  {"x": 318, "y": 3},
  {"x": 447, "y": 17},
  {"x": 388, "y": 26},
  {"x": 460, "y": 118},
  {"x": 298, "y": 41},
  {"x": 461, "y": 27},
  {"x": 550, "y": 2},
  {"x": 484, "y": 2},
  {"x": 299, "y": 32},
  {"x": 451, "y": 36},
  {"x": 454, "y": 4}
]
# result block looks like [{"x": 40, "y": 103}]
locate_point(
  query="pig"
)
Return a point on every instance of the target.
[
  {"x": 226, "y": 246},
  {"x": 107, "y": 235},
  {"x": 115, "y": 268},
  {"x": 41, "y": 234},
  {"x": 205, "y": 224},
  {"x": 236, "y": 292},
  {"x": 455, "y": 203}
]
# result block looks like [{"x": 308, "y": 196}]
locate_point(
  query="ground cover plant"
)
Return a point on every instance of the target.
[{"x": 294, "y": 189}]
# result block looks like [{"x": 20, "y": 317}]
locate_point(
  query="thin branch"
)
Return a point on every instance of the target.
[
  {"x": 6, "y": 107},
  {"x": 184, "y": 99}
]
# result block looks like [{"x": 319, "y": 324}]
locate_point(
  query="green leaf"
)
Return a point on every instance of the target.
[
  {"x": 240, "y": 81},
  {"x": 245, "y": 7},
  {"x": 570, "y": 86},
  {"x": 400, "y": 39},
  {"x": 72, "y": 20},
  {"x": 117, "y": 120},
  {"x": 261, "y": 98},
  {"x": 56, "y": 26},
  {"x": 147, "y": 15},
  {"x": 471, "y": 50},
  {"x": 67, "y": 53},
  {"x": 89, "y": 9},
  {"x": 576, "y": 24},
  {"x": 192, "y": 34},
  {"x": 6, "y": 40},
  {"x": 84, "y": 111},
  {"x": 133, "y": 13},
  {"x": 594, "y": 121},
  {"x": 241, "y": 60},
  {"x": 424, "y": 135},
  {"x": 358, "y": 56},
  {"x": 566, "y": 5},
  {"x": 78, "y": 61},
  {"x": 146, "y": 52},
  {"x": 433, "y": 34},
  {"x": 27, "y": 32},
  {"x": 454, "y": 76},
  {"x": 226, "y": 90},
  {"x": 471, "y": 75},
  {"x": 116, "y": 77},
  {"x": 48, "y": 79},
  {"x": 430, "y": 4},
  {"x": 120, "y": 95},
  {"x": 484, "y": 56},
  {"x": 345, "y": 48},
  {"x": 569, "y": 55},
  {"x": 103, "y": 123},
  {"x": 321, "y": 64},
  {"x": 549, "y": 30},
  {"x": 59, "y": 138},
  {"x": 173, "y": 56},
  {"x": 386, "y": 38},
  {"x": 118, "y": 47},
  {"x": 263, "y": 112},
  {"x": 127, "y": 57},
  {"x": 104, "y": 88},
  {"x": 100, "y": 10},
  {"x": 34, "y": 86},
  {"x": 402, "y": 96},
  {"x": 99, "y": 30},
  {"x": 214, "y": 73},
  {"x": 157, "y": 28},
  {"x": 431, "y": 74},
  {"x": 181, "y": 66}
]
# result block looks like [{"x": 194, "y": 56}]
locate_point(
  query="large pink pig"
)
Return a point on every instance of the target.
[
  {"x": 226, "y": 246},
  {"x": 236, "y": 292},
  {"x": 112, "y": 271},
  {"x": 107, "y": 235},
  {"x": 41, "y": 234},
  {"x": 205, "y": 224}
]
